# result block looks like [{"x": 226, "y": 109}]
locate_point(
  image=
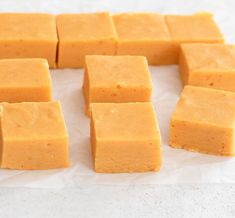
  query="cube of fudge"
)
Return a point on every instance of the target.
[
  {"x": 28, "y": 36},
  {"x": 192, "y": 29},
  {"x": 84, "y": 34},
  {"x": 125, "y": 138},
  {"x": 203, "y": 121},
  {"x": 24, "y": 80},
  {"x": 116, "y": 79},
  {"x": 208, "y": 65},
  {"x": 34, "y": 136},
  {"x": 144, "y": 34}
]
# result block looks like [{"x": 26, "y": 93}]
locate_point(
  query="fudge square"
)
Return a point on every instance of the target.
[
  {"x": 203, "y": 121},
  {"x": 116, "y": 79},
  {"x": 125, "y": 138},
  {"x": 144, "y": 34},
  {"x": 193, "y": 28},
  {"x": 24, "y": 80},
  {"x": 208, "y": 65},
  {"x": 84, "y": 34},
  {"x": 28, "y": 36},
  {"x": 34, "y": 136}
]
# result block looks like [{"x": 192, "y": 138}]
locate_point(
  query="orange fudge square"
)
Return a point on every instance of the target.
[
  {"x": 116, "y": 79},
  {"x": 204, "y": 121},
  {"x": 24, "y": 80},
  {"x": 144, "y": 34},
  {"x": 193, "y": 29},
  {"x": 125, "y": 138},
  {"x": 28, "y": 36},
  {"x": 208, "y": 65},
  {"x": 34, "y": 136},
  {"x": 84, "y": 34}
]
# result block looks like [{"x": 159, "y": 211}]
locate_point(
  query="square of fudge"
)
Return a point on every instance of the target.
[
  {"x": 84, "y": 34},
  {"x": 28, "y": 36},
  {"x": 33, "y": 136},
  {"x": 193, "y": 29},
  {"x": 208, "y": 65},
  {"x": 24, "y": 80},
  {"x": 125, "y": 138},
  {"x": 116, "y": 79},
  {"x": 144, "y": 34},
  {"x": 204, "y": 121}
]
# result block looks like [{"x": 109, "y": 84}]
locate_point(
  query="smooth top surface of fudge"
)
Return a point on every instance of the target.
[
  {"x": 124, "y": 121},
  {"x": 141, "y": 26},
  {"x": 24, "y": 73},
  {"x": 14, "y": 26},
  {"x": 198, "y": 27},
  {"x": 203, "y": 105},
  {"x": 121, "y": 71},
  {"x": 85, "y": 26},
  {"x": 32, "y": 121},
  {"x": 201, "y": 56}
]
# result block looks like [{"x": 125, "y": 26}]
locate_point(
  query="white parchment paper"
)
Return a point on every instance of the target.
[{"x": 179, "y": 166}]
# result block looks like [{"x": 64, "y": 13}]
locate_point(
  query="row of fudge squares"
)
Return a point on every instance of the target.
[
  {"x": 125, "y": 136},
  {"x": 106, "y": 79},
  {"x": 119, "y": 78},
  {"x": 73, "y": 36}
]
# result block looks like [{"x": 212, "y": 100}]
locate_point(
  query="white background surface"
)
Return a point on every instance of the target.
[{"x": 123, "y": 199}]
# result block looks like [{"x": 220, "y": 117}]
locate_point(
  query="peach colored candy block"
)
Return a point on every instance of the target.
[
  {"x": 125, "y": 138},
  {"x": 208, "y": 65},
  {"x": 144, "y": 34},
  {"x": 116, "y": 79},
  {"x": 203, "y": 121},
  {"x": 28, "y": 36},
  {"x": 24, "y": 80},
  {"x": 84, "y": 34},
  {"x": 34, "y": 136}
]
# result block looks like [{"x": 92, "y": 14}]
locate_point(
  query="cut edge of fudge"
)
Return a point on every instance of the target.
[{"x": 194, "y": 148}]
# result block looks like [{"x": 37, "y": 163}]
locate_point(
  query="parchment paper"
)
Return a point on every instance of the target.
[{"x": 179, "y": 166}]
